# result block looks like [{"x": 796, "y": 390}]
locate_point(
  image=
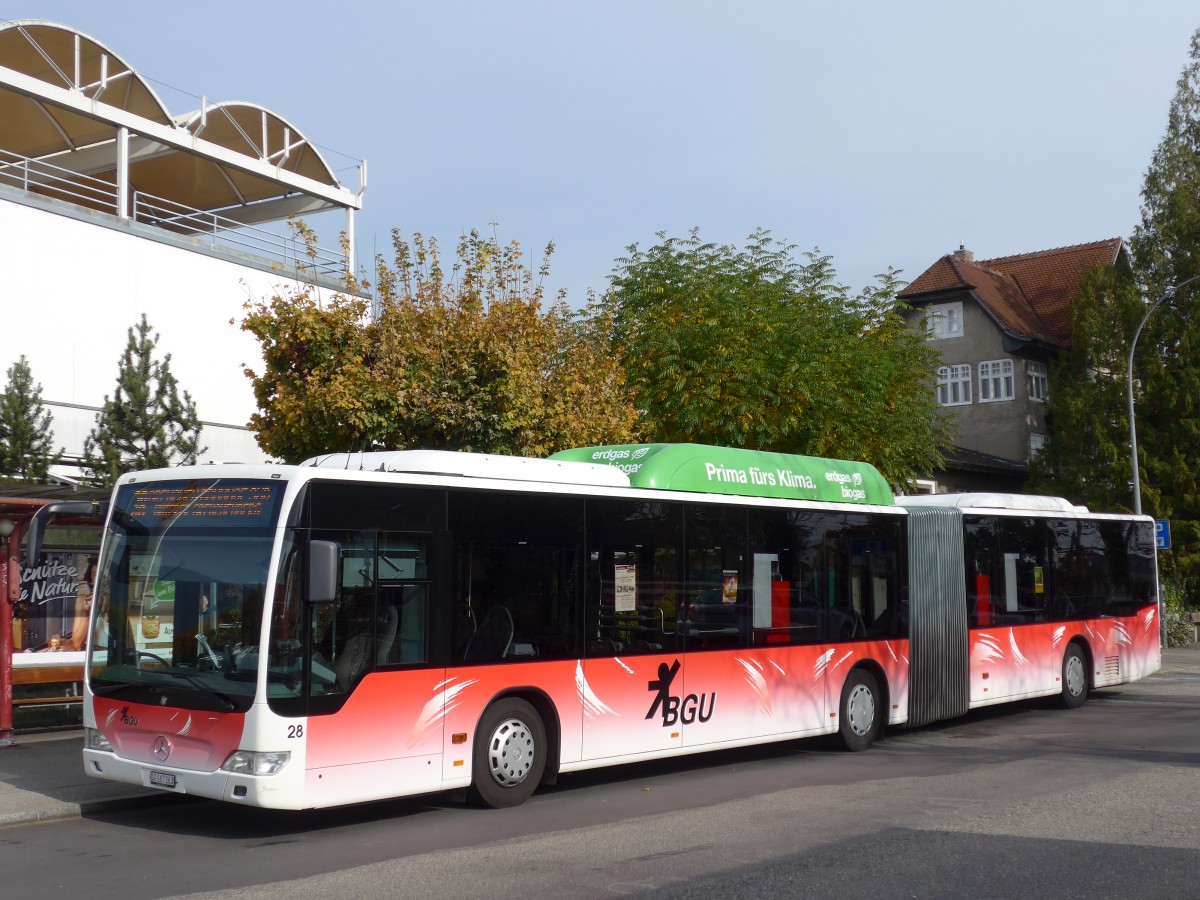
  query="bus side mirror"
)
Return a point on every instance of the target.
[
  {"x": 36, "y": 534},
  {"x": 322, "y": 571}
]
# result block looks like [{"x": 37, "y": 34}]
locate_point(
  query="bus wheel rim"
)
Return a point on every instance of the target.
[
  {"x": 860, "y": 709},
  {"x": 1075, "y": 675},
  {"x": 511, "y": 752}
]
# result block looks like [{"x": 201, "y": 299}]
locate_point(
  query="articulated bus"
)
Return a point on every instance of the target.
[{"x": 366, "y": 626}]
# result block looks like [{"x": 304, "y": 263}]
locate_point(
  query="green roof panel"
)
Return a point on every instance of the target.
[{"x": 747, "y": 473}]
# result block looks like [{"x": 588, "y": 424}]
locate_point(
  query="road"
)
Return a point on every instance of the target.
[{"x": 1018, "y": 801}]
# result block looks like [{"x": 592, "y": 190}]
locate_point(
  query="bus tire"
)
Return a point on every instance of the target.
[
  {"x": 509, "y": 754},
  {"x": 861, "y": 712},
  {"x": 1074, "y": 678}
]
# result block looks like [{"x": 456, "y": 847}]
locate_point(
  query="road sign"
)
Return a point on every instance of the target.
[{"x": 1162, "y": 534}]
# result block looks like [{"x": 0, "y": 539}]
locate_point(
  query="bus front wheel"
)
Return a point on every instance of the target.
[
  {"x": 1074, "y": 678},
  {"x": 509, "y": 755},
  {"x": 861, "y": 713}
]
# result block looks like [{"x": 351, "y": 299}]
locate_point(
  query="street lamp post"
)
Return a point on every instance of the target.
[{"x": 1137, "y": 481}]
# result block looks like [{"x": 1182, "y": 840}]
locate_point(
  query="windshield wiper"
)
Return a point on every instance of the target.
[
  {"x": 207, "y": 648},
  {"x": 103, "y": 690},
  {"x": 194, "y": 681}
]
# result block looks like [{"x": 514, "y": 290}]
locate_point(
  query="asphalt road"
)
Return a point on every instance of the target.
[{"x": 1017, "y": 801}]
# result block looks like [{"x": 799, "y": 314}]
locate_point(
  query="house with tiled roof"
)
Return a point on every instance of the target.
[{"x": 996, "y": 324}]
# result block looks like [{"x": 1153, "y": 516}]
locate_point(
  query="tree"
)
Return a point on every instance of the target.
[
  {"x": 751, "y": 348},
  {"x": 146, "y": 424},
  {"x": 465, "y": 359},
  {"x": 1087, "y": 458},
  {"x": 1166, "y": 252},
  {"x": 26, "y": 441}
]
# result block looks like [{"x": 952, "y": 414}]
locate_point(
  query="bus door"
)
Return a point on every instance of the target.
[
  {"x": 633, "y": 669},
  {"x": 375, "y": 702}
]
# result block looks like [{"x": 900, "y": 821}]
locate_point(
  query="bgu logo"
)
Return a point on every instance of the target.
[{"x": 687, "y": 710}]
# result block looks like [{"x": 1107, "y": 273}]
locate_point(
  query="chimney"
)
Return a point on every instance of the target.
[{"x": 964, "y": 254}]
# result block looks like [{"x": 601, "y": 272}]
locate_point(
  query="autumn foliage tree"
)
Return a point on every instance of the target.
[{"x": 467, "y": 356}]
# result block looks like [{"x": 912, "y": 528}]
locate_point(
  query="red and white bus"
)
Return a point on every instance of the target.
[{"x": 391, "y": 623}]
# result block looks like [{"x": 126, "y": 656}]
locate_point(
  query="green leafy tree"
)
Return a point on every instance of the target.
[
  {"x": 1166, "y": 251},
  {"x": 1087, "y": 458},
  {"x": 26, "y": 440},
  {"x": 146, "y": 424},
  {"x": 464, "y": 357},
  {"x": 751, "y": 347}
]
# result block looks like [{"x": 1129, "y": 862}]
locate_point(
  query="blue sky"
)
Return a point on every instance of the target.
[{"x": 884, "y": 133}]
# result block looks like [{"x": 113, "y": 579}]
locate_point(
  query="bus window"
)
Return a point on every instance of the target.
[
  {"x": 985, "y": 578},
  {"x": 783, "y": 595},
  {"x": 1129, "y": 554},
  {"x": 1024, "y": 556},
  {"x": 516, "y": 573},
  {"x": 717, "y": 612},
  {"x": 403, "y": 600},
  {"x": 1080, "y": 571},
  {"x": 633, "y": 584}
]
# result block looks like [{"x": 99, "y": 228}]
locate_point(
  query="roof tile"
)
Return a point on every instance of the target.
[{"x": 1029, "y": 294}]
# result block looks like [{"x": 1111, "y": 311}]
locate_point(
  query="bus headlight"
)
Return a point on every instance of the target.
[
  {"x": 94, "y": 739},
  {"x": 246, "y": 762}
]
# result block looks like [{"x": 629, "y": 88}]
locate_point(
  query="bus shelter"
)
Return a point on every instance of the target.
[{"x": 41, "y": 668}]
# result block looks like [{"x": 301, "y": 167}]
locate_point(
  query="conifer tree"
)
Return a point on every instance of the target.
[
  {"x": 26, "y": 440},
  {"x": 1166, "y": 250},
  {"x": 146, "y": 424}
]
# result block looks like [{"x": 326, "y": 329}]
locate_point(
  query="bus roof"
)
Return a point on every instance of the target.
[
  {"x": 1029, "y": 502},
  {"x": 699, "y": 468},
  {"x": 471, "y": 465}
]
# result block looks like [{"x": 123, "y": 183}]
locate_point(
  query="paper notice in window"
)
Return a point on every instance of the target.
[{"x": 625, "y": 590}]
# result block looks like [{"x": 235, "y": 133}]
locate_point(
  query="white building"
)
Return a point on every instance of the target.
[{"x": 111, "y": 207}]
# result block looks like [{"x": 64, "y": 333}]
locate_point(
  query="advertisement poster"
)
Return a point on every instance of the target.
[
  {"x": 47, "y": 610},
  {"x": 729, "y": 586},
  {"x": 625, "y": 589}
]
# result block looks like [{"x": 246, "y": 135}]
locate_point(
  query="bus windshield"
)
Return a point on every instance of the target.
[{"x": 180, "y": 590}]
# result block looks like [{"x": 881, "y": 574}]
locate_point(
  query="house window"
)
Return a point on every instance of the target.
[
  {"x": 954, "y": 385},
  {"x": 995, "y": 380},
  {"x": 1035, "y": 374},
  {"x": 944, "y": 320},
  {"x": 1036, "y": 443}
]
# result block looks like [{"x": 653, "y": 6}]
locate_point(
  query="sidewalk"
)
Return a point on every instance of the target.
[{"x": 42, "y": 777}]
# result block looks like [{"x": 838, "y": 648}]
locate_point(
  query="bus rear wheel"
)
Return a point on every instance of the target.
[
  {"x": 861, "y": 713},
  {"x": 1074, "y": 678},
  {"x": 509, "y": 755}
]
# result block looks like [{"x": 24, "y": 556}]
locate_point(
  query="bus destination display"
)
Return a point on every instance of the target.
[{"x": 204, "y": 503}]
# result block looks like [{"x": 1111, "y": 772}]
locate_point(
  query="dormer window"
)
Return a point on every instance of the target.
[{"x": 944, "y": 320}]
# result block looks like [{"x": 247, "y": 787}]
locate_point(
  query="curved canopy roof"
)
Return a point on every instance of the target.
[{"x": 64, "y": 96}]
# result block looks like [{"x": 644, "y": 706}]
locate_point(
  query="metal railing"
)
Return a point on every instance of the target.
[
  {"x": 220, "y": 231},
  {"x": 280, "y": 247},
  {"x": 37, "y": 177}
]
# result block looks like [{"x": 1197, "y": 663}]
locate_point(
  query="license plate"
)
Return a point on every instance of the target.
[{"x": 162, "y": 779}]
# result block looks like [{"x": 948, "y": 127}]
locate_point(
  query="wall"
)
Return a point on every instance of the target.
[
  {"x": 999, "y": 428},
  {"x": 74, "y": 283}
]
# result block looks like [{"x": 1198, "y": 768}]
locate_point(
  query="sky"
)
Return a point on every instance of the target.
[{"x": 882, "y": 133}]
